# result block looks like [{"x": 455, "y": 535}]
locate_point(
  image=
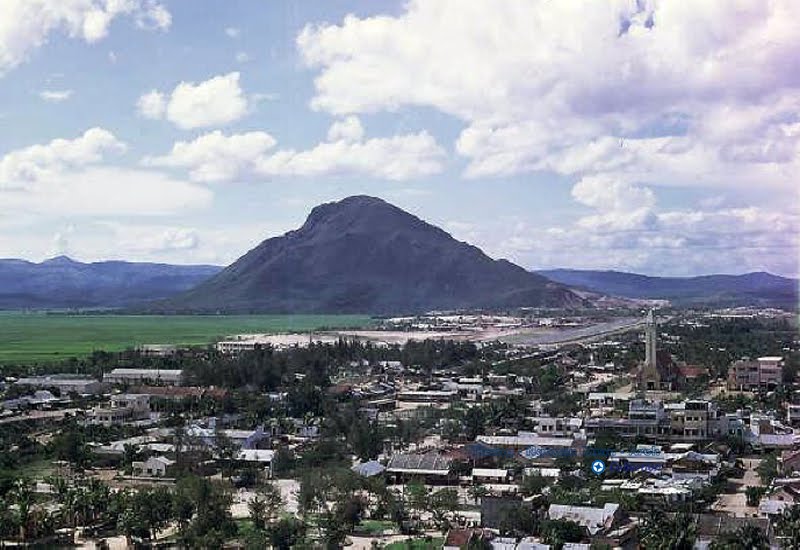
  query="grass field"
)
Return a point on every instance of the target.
[
  {"x": 40, "y": 337},
  {"x": 416, "y": 544}
]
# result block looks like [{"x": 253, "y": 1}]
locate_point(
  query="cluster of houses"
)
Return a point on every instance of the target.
[{"x": 667, "y": 449}]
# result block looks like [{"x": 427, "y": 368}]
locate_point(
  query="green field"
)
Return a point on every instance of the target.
[{"x": 40, "y": 337}]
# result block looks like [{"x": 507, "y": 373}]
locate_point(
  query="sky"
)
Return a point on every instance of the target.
[{"x": 652, "y": 136}]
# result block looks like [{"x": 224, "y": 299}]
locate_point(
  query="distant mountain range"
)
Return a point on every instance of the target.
[
  {"x": 65, "y": 283},
  {"x": 364, "y": 255},
  {"x": 762, "y": 289}
]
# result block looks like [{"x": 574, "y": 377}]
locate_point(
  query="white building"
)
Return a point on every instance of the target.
[
  {"x": 168, "y": 377},
  {"x": 65, "y": 383},
  {"x": 155, "y": 466}
]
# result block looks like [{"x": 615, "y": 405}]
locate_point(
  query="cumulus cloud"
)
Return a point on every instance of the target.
[
  {"x": 217, "y": 157},
  {"x": 579, "y": 86},
  {"x": 72, "y": 176},
  {"x": 26, "y": 24},
  {"x": 22, "y": 167},
  {"x": 216, "y": 101},
  {"x": 55, "y": 96},
  {"x": 348, "y": 129},
  {"x": 152, "y": 105}
]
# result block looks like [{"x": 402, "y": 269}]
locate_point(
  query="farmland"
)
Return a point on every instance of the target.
[{"x": 42, "y": 337}]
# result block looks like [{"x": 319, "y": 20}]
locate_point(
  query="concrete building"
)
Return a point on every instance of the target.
[
  {"x": 754, "y": 374},
  {"x": 123, "y": 408},
  {"x": 163, "y": 377},
  {"x": 155, "y": 466},
  {"x": 64, "y": 383}
]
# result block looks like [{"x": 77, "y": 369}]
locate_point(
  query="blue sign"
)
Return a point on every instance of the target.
[{"x": 598, "y": 467}]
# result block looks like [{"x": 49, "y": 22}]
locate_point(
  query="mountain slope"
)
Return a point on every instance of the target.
[
  {"x": 64, "y": 283},
  {"x": 364, "y": 255},
  {"x": 759, "y": 288}
]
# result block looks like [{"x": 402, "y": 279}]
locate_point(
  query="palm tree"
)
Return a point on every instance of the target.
[
  {"x": 22, "y": 496},
  {"x": 661, "y": 532}
]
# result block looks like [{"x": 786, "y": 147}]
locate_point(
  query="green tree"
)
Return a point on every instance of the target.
[
  {"x": 663, "y": 532},
  {"x": 285, "y": 533},
  {"x": 747, "y": 537},
  {"x": 768, "y": 469},
  {"x": 788, "y": 527},
  {"x": 559, "y": 531}
]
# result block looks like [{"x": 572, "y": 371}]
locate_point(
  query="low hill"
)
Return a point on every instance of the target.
[
  {"x": 64, "y": 283},
  {"x": 758, "y": 289}
]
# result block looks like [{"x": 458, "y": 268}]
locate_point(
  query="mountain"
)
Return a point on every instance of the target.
[
  {"x": 364, "y": 255},
  {"x": 64, "y": 283},
  {"x": 761, "y": 289}
]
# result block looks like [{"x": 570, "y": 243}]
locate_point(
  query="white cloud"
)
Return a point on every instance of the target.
[
  {"x": 348, "y": 129},
  {"x": 55, "y": 96},
  {"x": 232, "y": 32},
  {"x": 22, "y": 167},
  {"x": 217, "y": 157},
  {"x": 70, "y": 176},
  {"x": 606, "y": 193},
  {"x": 656, "y": 91},
  {"x": 26, "y": 24},
  {"x": 219, "y": 100},
  {"x": 152, "y": 105}
]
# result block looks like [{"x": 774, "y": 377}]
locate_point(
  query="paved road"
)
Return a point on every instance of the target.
[{"x": 736, "y": 503}]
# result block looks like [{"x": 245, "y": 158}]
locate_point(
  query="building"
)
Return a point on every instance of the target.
[
  {"x": 157, "y": 350},
  {"x": 155, "y": 466},
  {"x": 748, "y": 374},
  {"x": 690, "y": 420},
  {"x": 123, "y": 408},
  {"x": 607, "y": 525},
  {"x": 260, "y": 457},
  {"x": 162, "y": 377},
  {"x": 658, "y": 371},
  {"x": 431, "y": 467},
  {"x": 64, "y": 383}
]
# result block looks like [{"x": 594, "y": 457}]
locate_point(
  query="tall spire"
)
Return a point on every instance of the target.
[{"x": 650, "y": 340}]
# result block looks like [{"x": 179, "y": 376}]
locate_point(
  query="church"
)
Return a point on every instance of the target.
[{"x": 658, "y": 371}]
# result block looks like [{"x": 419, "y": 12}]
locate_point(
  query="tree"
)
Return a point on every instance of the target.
[
  {"x": 442, "y": 503},
  {"x": 557, "y": 532},
  {"x": 788, "y": 527},
  {"x": 282, "y": 462},
  {"x": 474, "y": 422},
  {"x": 204, "y": 512},
  {"x": 747, "y": 537},
  {"x": 417, "y": 496},
  {"x": 768, "y": 469},
  {"x": 286, "y": 533},
  {"x": 22, "y": 496},
  {"x": 754, "y": 495},
  {"x": 264, "y": 505},
  {"x": 533, "y": 485},
  {"x": 519, "y": 521},
  {"x": 662, "y": 532}
]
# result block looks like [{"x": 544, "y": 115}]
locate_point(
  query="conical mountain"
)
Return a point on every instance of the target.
[{"x": 362, "y": 254}]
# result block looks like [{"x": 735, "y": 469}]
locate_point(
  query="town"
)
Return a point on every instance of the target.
[{"x": 678, "y": 431}]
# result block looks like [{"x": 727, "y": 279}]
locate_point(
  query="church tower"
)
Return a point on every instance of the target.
[{"x": 650, "y": 332}]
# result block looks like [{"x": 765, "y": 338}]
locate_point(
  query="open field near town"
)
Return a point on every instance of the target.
[{"x": 31, "y": 337}]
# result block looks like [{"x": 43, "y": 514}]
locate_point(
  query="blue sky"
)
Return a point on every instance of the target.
[{"x": 640, "y": 136}]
